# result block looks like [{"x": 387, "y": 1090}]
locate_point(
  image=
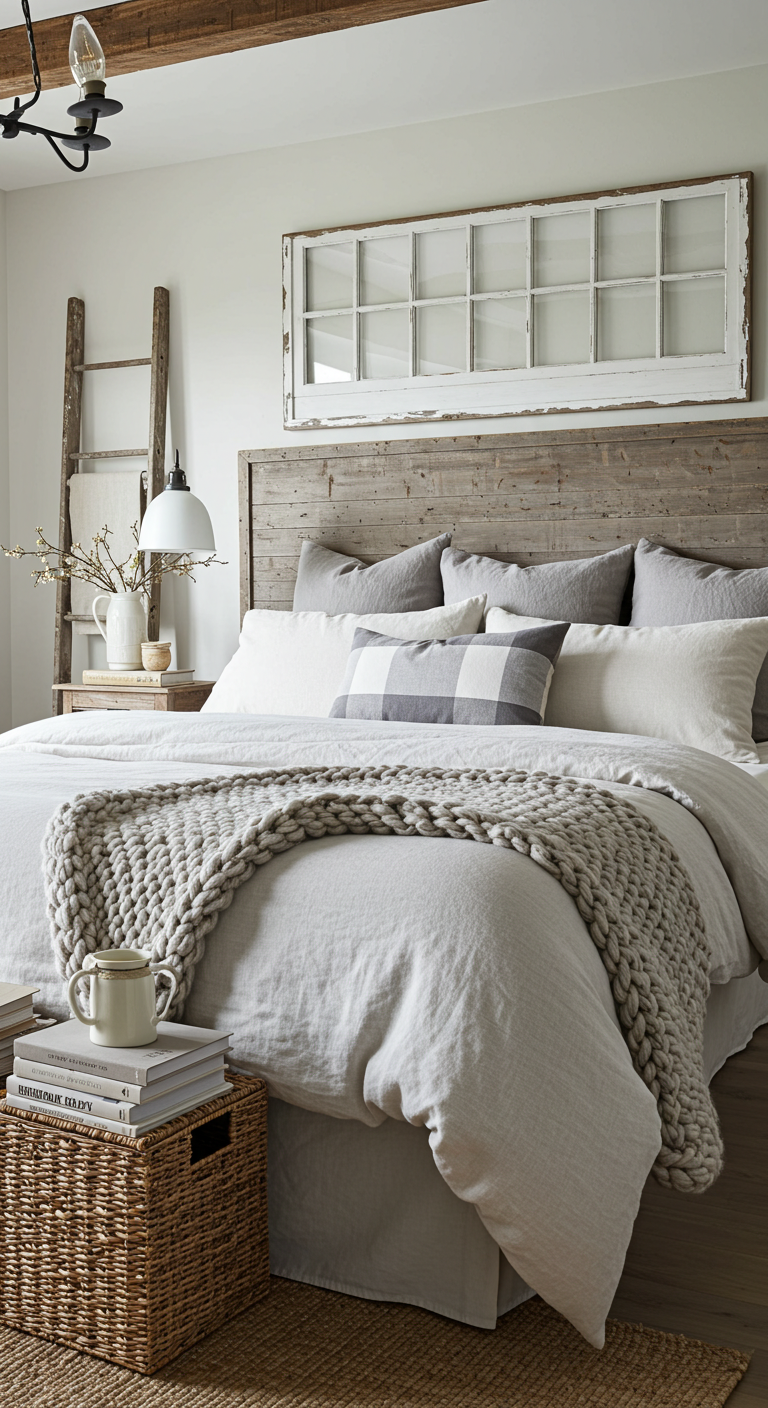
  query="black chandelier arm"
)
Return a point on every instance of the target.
[
  {"x": 10, "y": 120},
  {"x": 49, "y": 139}
]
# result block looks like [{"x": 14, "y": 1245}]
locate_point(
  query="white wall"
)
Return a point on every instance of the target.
[
  {"x": 211, "y": 232},
  {"x": 5, "y": 575}
]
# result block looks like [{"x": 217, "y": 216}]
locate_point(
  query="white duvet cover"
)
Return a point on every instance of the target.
[{"x": 447, "y": 985}]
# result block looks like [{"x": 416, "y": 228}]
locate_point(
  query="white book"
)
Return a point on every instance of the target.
[
  {"x": 61, "y": 1101},
  {"x": 134, "y": 1131},
  {"x": 14, "y": 995},
  {"x": 68, "y": 1045},
  {"x": 134, "y": 679},
  {"x": 17, "y": 1018},
  {"x": 88, "y": 1084},
  {"x": 9, "y": 1037}
]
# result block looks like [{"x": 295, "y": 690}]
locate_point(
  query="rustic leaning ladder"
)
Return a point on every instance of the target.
[{"x": 71, "y": 455}]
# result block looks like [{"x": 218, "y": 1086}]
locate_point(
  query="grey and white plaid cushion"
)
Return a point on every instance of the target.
[{"x": 483, "y": 679}]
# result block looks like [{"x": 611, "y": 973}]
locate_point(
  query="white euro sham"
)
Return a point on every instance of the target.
[
  {"x": 691, "y": 684},
  {"x": 293, "y": 662}
]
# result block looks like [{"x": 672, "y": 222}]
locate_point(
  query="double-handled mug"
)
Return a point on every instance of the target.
[{"x": 122, "y": 997}]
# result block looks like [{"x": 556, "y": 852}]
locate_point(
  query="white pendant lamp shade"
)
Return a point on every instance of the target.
[{"x": 176, "y": 521}]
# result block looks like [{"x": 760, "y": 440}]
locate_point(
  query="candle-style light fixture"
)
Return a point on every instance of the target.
[{"x": 89, "y": 70}]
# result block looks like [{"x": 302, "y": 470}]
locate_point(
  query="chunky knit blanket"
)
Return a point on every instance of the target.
[{"x": 154, "y": 867}]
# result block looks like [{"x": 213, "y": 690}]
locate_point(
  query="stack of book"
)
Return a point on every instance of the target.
[
  {"x": 141, "y": 679},
  {"x": 125, "y": 1089},
  {"x": 16, "y": 1017}
]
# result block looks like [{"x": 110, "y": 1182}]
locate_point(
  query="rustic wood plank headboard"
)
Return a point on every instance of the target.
[{"x": 701, "y": 487}]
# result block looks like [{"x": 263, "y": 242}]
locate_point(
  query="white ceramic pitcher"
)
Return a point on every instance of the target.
[
  {"x": 126, "y": 628},
  {"x": 122, "y": 997}
]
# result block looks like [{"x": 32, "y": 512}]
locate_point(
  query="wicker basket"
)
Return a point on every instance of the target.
[{"x": 134, "y": 1249}]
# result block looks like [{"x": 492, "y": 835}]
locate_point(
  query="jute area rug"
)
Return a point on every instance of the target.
[{"x": 309, "y": 1348}]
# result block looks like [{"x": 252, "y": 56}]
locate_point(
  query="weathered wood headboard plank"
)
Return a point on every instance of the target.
[{"x": 700, "y": 486}]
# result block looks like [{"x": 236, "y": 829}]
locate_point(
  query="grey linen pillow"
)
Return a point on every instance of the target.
[
  {"x": 589, "y": 590},
  {"x": 409, "y": 581},
  {"x": 671, "y": 590},
  {"x": 483, "y": 679}
]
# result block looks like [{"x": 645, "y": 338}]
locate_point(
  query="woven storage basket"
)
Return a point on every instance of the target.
[{"x": 134, "y": 1249}]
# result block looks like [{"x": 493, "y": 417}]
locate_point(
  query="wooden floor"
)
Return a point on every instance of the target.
[{"x": 698, "y": 1265}]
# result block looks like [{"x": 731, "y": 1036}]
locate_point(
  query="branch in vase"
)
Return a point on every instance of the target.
[{"x": 131, "y": 575}]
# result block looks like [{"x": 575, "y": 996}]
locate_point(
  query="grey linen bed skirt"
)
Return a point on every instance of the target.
[{"x": 364, "y": 1210}]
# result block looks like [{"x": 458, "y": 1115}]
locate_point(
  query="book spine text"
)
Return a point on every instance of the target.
[
  {"x": 31, "y": 1050},
  {"x": 19, "y": 1102},
  {"x": 72, "y": 1101},
  {"x": 80, "y": 1081}
]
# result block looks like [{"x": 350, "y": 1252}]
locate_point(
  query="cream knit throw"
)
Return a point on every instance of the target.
[{"x": 155, "y": 866}]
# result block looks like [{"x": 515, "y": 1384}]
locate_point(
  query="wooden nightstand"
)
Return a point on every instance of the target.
[{"x": 169, "y": 699}]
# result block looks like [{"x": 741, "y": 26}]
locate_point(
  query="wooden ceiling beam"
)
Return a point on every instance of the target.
[{"x": 142, "y": 34}]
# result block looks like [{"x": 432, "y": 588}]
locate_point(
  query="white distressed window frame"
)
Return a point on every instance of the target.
[{"x": 618, "y": 385}]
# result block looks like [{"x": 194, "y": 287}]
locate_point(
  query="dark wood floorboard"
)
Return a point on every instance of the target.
[{"x": 698, "y": 1265}]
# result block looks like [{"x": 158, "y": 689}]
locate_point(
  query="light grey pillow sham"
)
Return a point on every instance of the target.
[
  {"x": 671, "y": 590},
  {"x": 589, "y": 590},
  {"x": 332, "y": 582},
  {"x": 482, "y": 679}
]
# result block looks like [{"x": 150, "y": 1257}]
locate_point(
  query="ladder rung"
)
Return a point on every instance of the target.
[
  {"x": 109, "y": 454},
  {"x": 102, "y": 366}
]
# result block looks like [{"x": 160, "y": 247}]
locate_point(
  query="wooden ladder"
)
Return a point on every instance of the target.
[{"x": 71, "y": 456}]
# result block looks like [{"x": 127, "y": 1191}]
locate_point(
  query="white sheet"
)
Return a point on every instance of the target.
[
  {"x": 758, "y": 770},
  {"x": 444, "y": 985}
]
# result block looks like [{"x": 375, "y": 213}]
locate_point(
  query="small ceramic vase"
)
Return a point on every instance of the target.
[
  {"x": 122, "y": 997},
  {"x": 156, "y": 654},
  {"x": 126, "y": 628}
]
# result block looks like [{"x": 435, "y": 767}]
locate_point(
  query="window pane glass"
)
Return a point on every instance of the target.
[
  {"x": 561, "y": 249},
  {"x": 626, "y": 241},
  {"x": 441, "y": 339},
  {"x": 329, "y": 277},
  {"x": 499, "y": 256},
  {"x": 694, "y": 317},
  {"x": 561, "y": 328},
  {"x": 441, "y": 264},
  {"x": 500, "y": 328},
  {"x": 626, "y": 322},
  {"x": 384, "y": 343},
  {"x": 694, "y": 234},
  {"x": 385, "y": 267},
  {"x": 329, "y": 349}
]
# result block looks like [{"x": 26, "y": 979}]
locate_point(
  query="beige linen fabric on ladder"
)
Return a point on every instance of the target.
[{"x": 114, "y": 498}]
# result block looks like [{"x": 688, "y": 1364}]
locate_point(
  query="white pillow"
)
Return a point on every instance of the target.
[
  {"x": 293, "y": 662},
  {"x": 688, "y": 684}
]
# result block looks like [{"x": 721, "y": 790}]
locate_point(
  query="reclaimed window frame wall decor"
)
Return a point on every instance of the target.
[{"x": 637, "y": 297}]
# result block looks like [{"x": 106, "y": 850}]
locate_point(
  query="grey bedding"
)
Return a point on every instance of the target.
[
  {"x": 538, "y": 1119},
  {"x": 363, "y": 1209}
]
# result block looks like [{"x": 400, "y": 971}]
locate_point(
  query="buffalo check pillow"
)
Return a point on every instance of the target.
[{"x": 482, "y": 679}]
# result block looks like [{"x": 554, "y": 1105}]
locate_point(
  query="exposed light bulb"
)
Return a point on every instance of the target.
[{"x": 86, "y": 56}]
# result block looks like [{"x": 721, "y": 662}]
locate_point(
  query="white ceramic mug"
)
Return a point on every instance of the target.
[{"x": 122, "y": 997}]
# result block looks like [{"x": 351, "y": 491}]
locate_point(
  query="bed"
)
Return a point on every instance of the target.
[{"x": 393, "y": 1125}]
